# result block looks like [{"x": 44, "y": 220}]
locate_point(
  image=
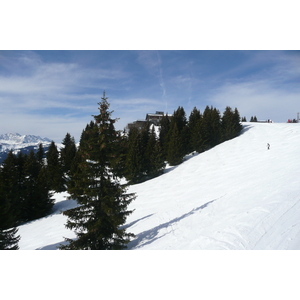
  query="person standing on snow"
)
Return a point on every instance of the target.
[{"x": 268, "y": 146}]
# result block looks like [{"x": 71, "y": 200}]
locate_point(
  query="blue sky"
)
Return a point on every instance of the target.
[{"x": 50, "y": 93}]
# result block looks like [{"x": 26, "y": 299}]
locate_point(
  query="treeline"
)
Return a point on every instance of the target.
[
  {"x": 27, "y": 183},
  {"x": 253, "y": 119},
  {"x": 146, "y": 154}
]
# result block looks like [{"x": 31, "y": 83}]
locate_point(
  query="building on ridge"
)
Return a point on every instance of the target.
[{"x": 151, "y": 118}]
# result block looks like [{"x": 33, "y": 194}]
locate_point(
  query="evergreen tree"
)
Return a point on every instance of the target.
[
  {"x": 54, "y": 169},
  {"x": 211, "y": 127},
  {"x": 40, "y": 155},
  {"x": 37, "y": 198},
  {"x": 31, "y": 170},
  {"x": 193, "y": 128},
  {"x": 199, "y": 136},
  {"x": 119, "y": 164},
  {"x": 163, "y": 134},
  {"x": 45, "y": 200},
  {"x": 8, "y": 231},
  {"x": 237, "y": 122},
  {"x": 177, "y": 137},
  {"x": 144, "y": 158},
  {"x": 179, "y": 117},
  {"x": 175, "y": 152},
  {"x": 8, "y": 239},
  {"x": 102, "y": 200},
  {"x": 231, "y": 123},
  {"x": 136, "y": 165},
  {"x": 155, "y": 158},
  {"x": 12, "y": 185},
  {"x": 67, "y": 153},
  {"x": 228, "y": 124},
  {"x": 25, "y": 195}
]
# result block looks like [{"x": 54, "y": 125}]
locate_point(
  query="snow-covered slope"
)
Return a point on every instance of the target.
[
  {"x": 17, "y": 142},
  {"x": 238, "y": 195}
]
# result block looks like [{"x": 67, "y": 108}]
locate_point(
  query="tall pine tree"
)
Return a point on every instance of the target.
[
  {"x": 175, "y": 146},
  {"x": 8, "y": 238},
  {"x": 12, "y": 181},
  {"x": 54, "y": 169},
  {"x": 136, "y": 165},
  {"x": 102, "y": 200},
  {"x": 37, "y": 197},
  {"x": 177, "y": 137},
  {"x": 67, "y": 153},
  {"x": 193, "y": 127},
  {"x": 154, "y": 154},
  {"x": 164, "y": 133}
]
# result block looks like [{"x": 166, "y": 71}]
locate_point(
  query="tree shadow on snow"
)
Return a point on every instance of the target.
[
  {"x": 57, "y": 245},
  {"x": 186, "y": 158},
  {"x": 52, "y": 246},
  {"x": 151, "y": 235},
  {"x": 63, "y": 206},
  {"x": 134, "y": 222},
  {"x": 245, "y": 128}
]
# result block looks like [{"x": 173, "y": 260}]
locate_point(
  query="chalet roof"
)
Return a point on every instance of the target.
[
  {"x": 157, "y": 114},
  {"x": 154, "y": 115}
]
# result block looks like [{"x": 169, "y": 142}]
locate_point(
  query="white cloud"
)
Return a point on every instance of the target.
[
  {"x": 258, "y": 98},
  {"x": 29, "y": 85},
  {"x": 52, "y": 127},
  {"x": 272, "y": 91}
]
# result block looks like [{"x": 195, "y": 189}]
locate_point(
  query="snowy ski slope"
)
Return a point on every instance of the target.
[{"x": 238, "y": 195}]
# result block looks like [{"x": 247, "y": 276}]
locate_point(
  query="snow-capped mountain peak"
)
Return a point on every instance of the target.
[
  {"x": 18, "y": 142},
  {"x": 16, "y": 138}
]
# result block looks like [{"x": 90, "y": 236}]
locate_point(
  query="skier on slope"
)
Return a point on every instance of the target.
[{"x": 268, "y": 146}]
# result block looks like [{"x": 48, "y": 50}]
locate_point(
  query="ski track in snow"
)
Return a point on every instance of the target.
[{"x": 238, "y": 195}]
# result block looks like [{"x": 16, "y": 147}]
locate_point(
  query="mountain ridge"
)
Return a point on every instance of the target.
[
  {"x": 24, "y": 143},
  {"x": 16, "y": 138}
]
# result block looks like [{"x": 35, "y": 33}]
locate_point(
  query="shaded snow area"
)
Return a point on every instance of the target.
[{"x": 238, "y": 195}]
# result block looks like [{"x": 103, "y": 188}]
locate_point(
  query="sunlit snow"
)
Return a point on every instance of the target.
[{"x": 238, "y": 195}]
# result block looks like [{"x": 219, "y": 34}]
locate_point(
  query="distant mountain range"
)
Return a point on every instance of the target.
[{"x": 17, "y": 143}]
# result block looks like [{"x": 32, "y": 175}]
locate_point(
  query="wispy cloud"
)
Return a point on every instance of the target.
[
  {"x": 34, "y": 92},
  {"x": 151, "y": 61},
  {"x": 136, "y": 101},
  {"x": 269, "y": 87},
  {"x": 31, "y": 75},
  {"x": 161, "y": 79},
  {"x": 51, "y": 84},
  {"x": 258, "y": 98},
  {"x": 51, "y": 126}
]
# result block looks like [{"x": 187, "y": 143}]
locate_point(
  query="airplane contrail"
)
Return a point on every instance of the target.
[{"x": 161, "y": 80}]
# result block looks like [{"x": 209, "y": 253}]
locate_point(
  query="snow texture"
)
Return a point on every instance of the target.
[{"x": 238, "y": 195}]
